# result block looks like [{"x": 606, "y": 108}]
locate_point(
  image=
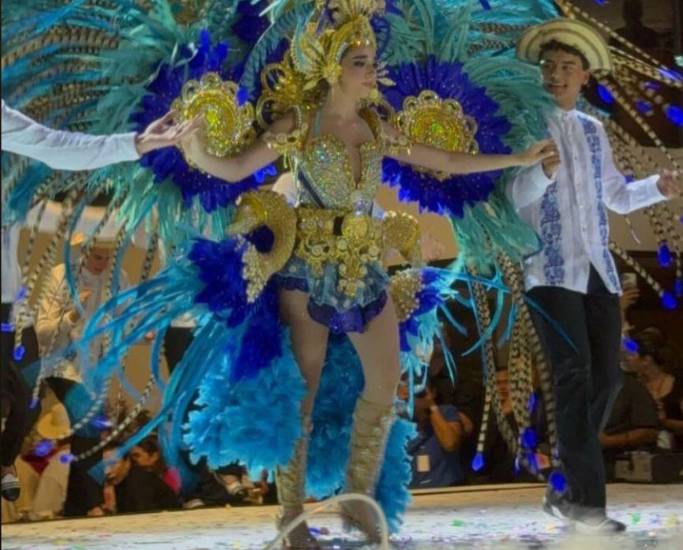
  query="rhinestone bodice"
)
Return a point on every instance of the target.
[{"x": 324, "y": 170}]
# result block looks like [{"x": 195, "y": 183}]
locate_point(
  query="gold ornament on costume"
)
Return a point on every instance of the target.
[
  {"x": 404, "y": 287},
  {"x": 349, "y": 241},
  {"x": 318, "y": 55},
  {"x": 352, "y": 242},
  {"x": 256, "y": 209},
  {"x": 402, "y": 233},
  {"x": 284, "y": 90},
  {"x": 437, "y": 122},
  {"x": 228, "y": 126}
]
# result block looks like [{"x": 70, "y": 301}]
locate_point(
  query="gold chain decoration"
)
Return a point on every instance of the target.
[
  {"x": 514, "y": 279},
  {"x": 633, "y": 264}
]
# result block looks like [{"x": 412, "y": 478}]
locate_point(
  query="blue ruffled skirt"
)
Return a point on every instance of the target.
[{"x": 331, "y": 307}]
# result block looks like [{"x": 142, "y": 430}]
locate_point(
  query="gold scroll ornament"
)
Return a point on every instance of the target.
[
  {"x": 437, "y": 122},
  {"x": 228, "y": 126}
]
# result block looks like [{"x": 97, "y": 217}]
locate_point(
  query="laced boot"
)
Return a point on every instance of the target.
[
  {"x": 291, "y": 481},
  {"x": 371, "y": 425}
]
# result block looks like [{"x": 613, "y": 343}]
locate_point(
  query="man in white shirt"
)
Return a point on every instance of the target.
[
  {"x": 58, "y": 325},
  {"x": 63, "y": 151},
  {"x": 573, "y": 278}
]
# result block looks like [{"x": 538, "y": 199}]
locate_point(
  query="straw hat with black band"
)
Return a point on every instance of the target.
[
  {"x": 569, "y": 32},
  {"x": 55, "y": 424}
]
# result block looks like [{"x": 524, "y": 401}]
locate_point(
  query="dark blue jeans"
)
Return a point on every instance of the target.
[{"x": 586, "y": 379}]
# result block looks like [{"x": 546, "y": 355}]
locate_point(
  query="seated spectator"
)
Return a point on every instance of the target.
[
  {"x": 499, "y": 461},
  {"x": 634, "y": 30},
  {"x": 228, "y": 486},
  {"x": 129, "y": 488},
  {"x": 50, "y": 495},
  {"x": 656, "y": 363},
  {"x": 147, "y": 456},
  {"x": 633, "y": 423},
  {"x": 435, "y": 449}
]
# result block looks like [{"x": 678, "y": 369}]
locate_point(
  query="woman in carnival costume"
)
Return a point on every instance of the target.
[
  {"x": 333, "y": 282},
  {"x": 456, "y": 89},
  {"x": 330, "y": 248}
]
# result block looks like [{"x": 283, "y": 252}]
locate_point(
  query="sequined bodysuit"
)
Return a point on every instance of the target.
[{"x": 339, "y": 250}]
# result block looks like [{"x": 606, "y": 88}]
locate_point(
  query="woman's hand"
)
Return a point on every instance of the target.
[
  {"x": 165, "y": 132},
  {"x": 538, "y": 152}
]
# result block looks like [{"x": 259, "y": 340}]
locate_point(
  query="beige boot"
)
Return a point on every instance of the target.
[
  {"x": 291, "y": 481},
  {"x": 371, "y": 424}
]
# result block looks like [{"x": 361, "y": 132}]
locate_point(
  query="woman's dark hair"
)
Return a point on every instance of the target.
[
  {"x": 653, "y": 343},
  {"x": 151, "y": 445},
  {"x": 557, "y": 46}
]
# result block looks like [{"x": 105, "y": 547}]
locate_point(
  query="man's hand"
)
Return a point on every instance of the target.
[
  {"x": 669, "y": 184},
  {"x": 83, "y": 295},
  {"x": 165, "y": 132}
]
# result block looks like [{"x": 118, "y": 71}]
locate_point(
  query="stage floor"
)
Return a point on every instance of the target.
[{"x": 499, "y": 517}]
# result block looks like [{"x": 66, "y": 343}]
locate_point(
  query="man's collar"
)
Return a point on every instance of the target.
[{"x": 561, "y": 114}]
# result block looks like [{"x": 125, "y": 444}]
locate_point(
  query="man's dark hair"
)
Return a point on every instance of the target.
[{"x": 557, "y": 46}]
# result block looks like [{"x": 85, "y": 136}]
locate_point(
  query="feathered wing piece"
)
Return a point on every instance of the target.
[
  {"x": 116, "y": 67},
  {"x": 463, "y": 91}
]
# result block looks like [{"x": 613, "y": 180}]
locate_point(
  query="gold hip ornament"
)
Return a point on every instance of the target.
[{"x": 256, "y": 209}]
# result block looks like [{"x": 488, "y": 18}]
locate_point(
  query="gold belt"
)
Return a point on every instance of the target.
[{"x": 352, "y": 242}]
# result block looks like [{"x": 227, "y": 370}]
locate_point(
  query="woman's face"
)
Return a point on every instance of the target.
[
  {"x": 634, "y": 362},
  {"x": 142, "y": 458},
  {"x": 359, "y": 72}
]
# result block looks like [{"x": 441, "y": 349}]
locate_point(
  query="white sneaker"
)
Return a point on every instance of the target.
[{"x": 598, "y": 526}]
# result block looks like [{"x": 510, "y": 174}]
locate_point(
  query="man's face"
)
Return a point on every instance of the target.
[
  {"x": 564, "y": 76},
  {"x": 98, "y": 260}
]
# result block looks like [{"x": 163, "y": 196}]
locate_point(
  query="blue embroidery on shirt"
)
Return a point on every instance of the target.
[
  {"x": 551, "y": 234},
  {"x": 595, "y": 147}
]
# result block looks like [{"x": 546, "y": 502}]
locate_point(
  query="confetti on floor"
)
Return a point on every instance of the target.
[{"x": 502, "y": 518}]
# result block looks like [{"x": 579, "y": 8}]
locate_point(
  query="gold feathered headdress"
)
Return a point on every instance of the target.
[
  {"x": 335, "y": 26},
  {"x": 315, "y": 55}
]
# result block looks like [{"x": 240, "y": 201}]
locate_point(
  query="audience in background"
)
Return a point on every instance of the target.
[
  {"x": 147, "y": 456},
  {"x": 434, "y": 451},
  {"x": 656, "y": 362},
  {"x": 633, "y": 424},
  {"x": 129, "y": 488},
  {"x": 50, "y": 495}
]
